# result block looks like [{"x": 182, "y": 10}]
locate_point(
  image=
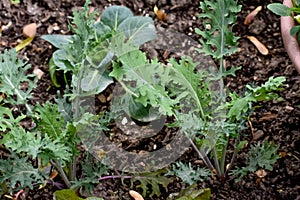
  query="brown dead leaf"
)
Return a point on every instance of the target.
[
  {"x": 39, "y": 73},
  {"x": 24, "y": 43},
  {"x": 260, "y": 46},
  {"x": 283, "y": 154},
  {"x": 29, "y": 30},
  {"x": 267, "y": 116},
  {"x": 160, "y": 14},
  {"x": 135, "y": 195},
  {"x": 53, "y": 174},
  {"x": 249, "y": 18}
]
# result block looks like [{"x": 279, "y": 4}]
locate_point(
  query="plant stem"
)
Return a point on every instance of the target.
[
  {"x": 216, "y": 161},
  {"x": 114, "y": 177},
  {"x": 233, "y": 156},
  {"x": 223, "y": 158},
  {"x": 76, "y": 106},
  {"x": 204, "y": 158},
  {"x": 61, "y": 173}
]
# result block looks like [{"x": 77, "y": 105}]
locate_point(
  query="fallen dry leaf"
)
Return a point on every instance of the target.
[
  {"x": 160, "y": 14},
  {"x": 39, "y": 73},
  {"x": 135, "y": 195},
  {"x": 29, "y": 30},
  {"x": 267, "y": 116},
  {"x": 260, "y": 46},
  {"x": 24, "y": 43},
  {"x": 283, "y": 154},
  {"x": 249, "y": 18}
]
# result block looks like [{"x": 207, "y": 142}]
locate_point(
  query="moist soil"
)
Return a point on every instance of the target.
[{"x": 276, "y": 121}]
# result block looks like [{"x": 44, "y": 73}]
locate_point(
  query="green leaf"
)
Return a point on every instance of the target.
[
  {"x": 14, "y": 77},
  {"x": 19, "y": 173},
  {"x": 52, "y": 71},
  {"x": 150, "y": 80},
  {"x": 8, "y": 121},
  {"x": 219, "y": 40},
  {"x": 187, "y": 174},
  {"x": 142, "y": 113},
  {"x": 48, "y": 120},
  {"x": 113, "y": 16},
  {"x": 266, "y": 91},
  {"x": 59, "y": 41},
  {"x": 138, "y": 29},
  {"x": 280, "y": 9},
  {"x": 66, "y": 194},
  {"x": 153, "y": 179},
  {"x": 192, "y": 193},
  {"x": 295, "y": 30},
  {"x": 95, "y": 81},
  {"x": 20, "y": 141},
  {"x": 60, "y": 60},
  {"x": 261, "y": 155}
]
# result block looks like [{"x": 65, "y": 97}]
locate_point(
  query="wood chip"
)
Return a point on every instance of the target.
[
  {"x": 249, "y": 18},
  {"x": 29, "y": 30},
  {"x": 39, "y": 73},
  {"x": 135, "y": 195},
  {"x": 257, "y": 135},
  {"x": 102, "y": 98},
  {"x": 260, "y": 46},
  {"x": 261, "y": 173}
]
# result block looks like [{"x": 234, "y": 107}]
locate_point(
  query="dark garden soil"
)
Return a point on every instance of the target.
[{"x": 277, "y": 121}]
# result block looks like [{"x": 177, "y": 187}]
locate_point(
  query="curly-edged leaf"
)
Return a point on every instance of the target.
[
  {"x": 152, "y": 179},
  {"x": 264, "y": 155},
  {"x": 113, "y": 16},
  {"x": 48, "y": 120},
  {"x": 188, "y": 174},
  {"x": 20, "y": 141},
  {"x": 267, "y": 90},
  {"x": 57, "y": 40},
  {"x": 150, "y": 80},
  {"x": 8, "y": 121},
  {"x": 219, "y": 41},
  {"x": 19, "y": 173},
  {"x": 14, "y": 79},
  {"x": 138, "y": 29},
  {"x": 190, "y": 87},
  {"x": 261, "y": 155}
]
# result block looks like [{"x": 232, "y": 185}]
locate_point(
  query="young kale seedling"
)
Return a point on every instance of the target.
[{"x": 85, "y": 57}]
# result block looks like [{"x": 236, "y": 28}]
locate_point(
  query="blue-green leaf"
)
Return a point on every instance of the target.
[
  {"x": 279, "y": 9},
  {"x": 96, "y": 81},
  {"x": 115, "y": 15},
  {"x": 59, "y": 41},
  {"x": 138, "y": 29}
]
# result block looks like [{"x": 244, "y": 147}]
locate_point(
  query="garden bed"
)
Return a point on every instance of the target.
[{"x": 276, "y": 121}]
